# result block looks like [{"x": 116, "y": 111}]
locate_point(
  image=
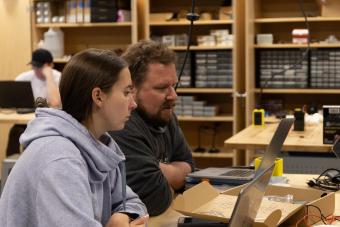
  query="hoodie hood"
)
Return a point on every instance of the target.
[{"x": 101, "y": 158}]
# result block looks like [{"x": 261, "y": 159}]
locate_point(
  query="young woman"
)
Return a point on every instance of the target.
[{"x": 71, "y": 172}]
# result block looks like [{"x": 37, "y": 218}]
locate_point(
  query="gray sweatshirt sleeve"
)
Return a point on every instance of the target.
[
  {"x": 64, "y": 197},
  {"x": 133, "y": 204}
]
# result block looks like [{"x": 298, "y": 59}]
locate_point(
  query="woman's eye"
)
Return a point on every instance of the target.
[
  {"x": 162, "y": 88},
  {"x": 129, "y": 92}
]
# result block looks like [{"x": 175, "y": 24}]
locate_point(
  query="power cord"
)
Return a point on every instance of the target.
[
  {"x": 205, "y": 129},
  {"x": 200, "y": 149},
  {"x": 296, "y": 64},
  {"x": 309, "y": 217},
  {"x": 328, "y": 180},
  {"x": 192, "y": 16}
]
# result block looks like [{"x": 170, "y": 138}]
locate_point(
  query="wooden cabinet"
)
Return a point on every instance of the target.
[
  {"x": 279, "y": 18},
  {"x": 203, "y": 131},
  {"x": 80, "y": 36},
  {"x": 208, "y": 132}
]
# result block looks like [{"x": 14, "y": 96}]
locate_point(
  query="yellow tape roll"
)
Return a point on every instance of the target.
[{"x": 278, "y": 169}]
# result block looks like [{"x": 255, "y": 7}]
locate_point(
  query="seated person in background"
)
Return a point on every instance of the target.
[
  {"x": 72, "y": 173},
  {"x": 157, "y": 155},
  {"x": 44, "y": 81}
]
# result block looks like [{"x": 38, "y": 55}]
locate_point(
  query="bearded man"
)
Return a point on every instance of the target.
[{"x": 158, "y": 157}]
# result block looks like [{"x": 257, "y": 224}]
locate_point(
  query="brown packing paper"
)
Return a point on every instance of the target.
[{"x": 206, "y": 202}]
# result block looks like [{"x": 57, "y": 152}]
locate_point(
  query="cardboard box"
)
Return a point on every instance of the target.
[
  {"x": 225, "y": 13},
  {"x": 329, "y": 8},
  {"x": 218, "y": 206}
]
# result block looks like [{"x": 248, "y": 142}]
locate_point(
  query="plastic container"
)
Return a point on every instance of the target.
[
  {"x": 278, "y": 169},
  {"x": 54, "y": 42}
]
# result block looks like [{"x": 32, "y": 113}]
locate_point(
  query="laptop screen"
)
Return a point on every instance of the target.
[
  {"x": 16, "y": 94},
  {"x": 240, "y": 176},
  {"x": 249, "y": 200},
  {"x": 275, "y": 145}
]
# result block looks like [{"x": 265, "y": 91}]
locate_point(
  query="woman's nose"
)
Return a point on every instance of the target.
[{"x": 133, "y": 104}]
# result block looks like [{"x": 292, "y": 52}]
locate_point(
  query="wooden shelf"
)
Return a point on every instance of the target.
[
  {"x": 280, "y": 17},
  {"x": 223, "y": 118},
  {"x": 205, "y": 90},
  {"x": 60, "y": 60},
  {"x": 212, "y": 155},
  {"x": 299, "y": 91},
  {"x": 231, "y": 117},
  {"x": 295, "y": 19},
  {"x": 291, "y": 45},
  {"x": 202, "y": 47},
  {"x": 85, "y": 25},
  {"x": 185, "y": 22}
]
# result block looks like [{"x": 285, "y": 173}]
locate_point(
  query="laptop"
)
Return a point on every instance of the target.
[
  {"x": 17, "y": 95},
  {"x": 246, "y": 207},
  {"x": 241, "y": 175}
]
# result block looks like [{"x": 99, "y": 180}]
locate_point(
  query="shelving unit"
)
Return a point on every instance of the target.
[
  {"x": 80, "y": 25},
  {"x": 204, "y": 90},
  {"x": 280, "y": 17},
  {"x": 220, "y": 118},
  {"x": 299, "y": 91},
  {"x": 285, "y": 46},
  {"x": 231, "y": 117},
  {"x": 80, "y": 36},
  {"x": 295, "y": 19},
  {"x": 185, "y": 23},
  {"x": 176, "y": 48}
]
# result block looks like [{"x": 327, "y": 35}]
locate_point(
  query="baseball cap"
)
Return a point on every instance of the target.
[{"x": 40, "y": 57}]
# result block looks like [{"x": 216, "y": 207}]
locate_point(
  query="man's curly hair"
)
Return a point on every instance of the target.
[{"x": 146, "y": 52}]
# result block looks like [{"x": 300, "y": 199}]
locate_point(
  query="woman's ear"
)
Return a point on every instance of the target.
[{"x": 97, "y": 96}]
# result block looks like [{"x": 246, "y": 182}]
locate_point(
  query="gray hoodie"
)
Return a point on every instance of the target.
[{"x": 66, "y": 177}]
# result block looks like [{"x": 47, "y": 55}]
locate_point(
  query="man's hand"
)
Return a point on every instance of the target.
[
  {"x": 140, "y": 222},
  {"x": 122, "y": 220},
  {"x": 53, "y": 96},
  {"x": 175, "y": 173},
  {"x": 118, "y": 220},
  {"x": 47, "y": 71}
]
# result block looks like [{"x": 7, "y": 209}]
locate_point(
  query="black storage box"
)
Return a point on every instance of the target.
[{"x": 331, "y": 123}]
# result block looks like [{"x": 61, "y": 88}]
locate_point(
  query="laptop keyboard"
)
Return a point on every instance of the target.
[
  {"x": 25, "y": 110},
  {"x": 239, "y": 173}
]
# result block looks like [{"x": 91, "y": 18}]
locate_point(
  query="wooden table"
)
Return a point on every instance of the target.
[
  {"x": 15, "y": 118},
  {"x": 258, "y": 137},
  {"x": 7, "y": 119},
  {"x": 169, "y": 217}
]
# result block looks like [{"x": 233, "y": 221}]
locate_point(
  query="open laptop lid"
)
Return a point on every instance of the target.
[
  {"x": 16, "y": 94},
  {"x": 249, "y": 200},
  {"x": 275, "y": 145},
  {"x": 227, "y": 176}
]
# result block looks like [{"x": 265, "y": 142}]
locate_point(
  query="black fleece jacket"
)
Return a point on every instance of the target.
[{"x": 145, "y": 147}]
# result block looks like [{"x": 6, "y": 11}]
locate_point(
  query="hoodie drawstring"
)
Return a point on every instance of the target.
[{"x": 123, "y": 172}]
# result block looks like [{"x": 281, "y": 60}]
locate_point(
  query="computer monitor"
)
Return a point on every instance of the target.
[{"x": 16, "y": 94}]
